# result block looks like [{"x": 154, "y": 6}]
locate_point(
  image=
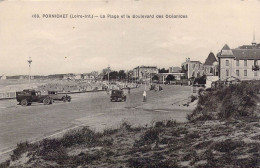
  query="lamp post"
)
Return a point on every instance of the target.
[
  {"x": 144, "y": 94},
  {"x": 29, "y": 61}
]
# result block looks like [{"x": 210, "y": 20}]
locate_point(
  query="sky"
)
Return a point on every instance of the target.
[{"x": 83, "y": 45}]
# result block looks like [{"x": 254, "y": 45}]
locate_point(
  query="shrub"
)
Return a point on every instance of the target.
[
  {"x": 236, "y": 101},
  {"x": 126, "y": 125},
  {"x": 149, "y": 137},
  {"x": 228, "y": 145},
  {"x": 19, "y": 150},
  {"x": 53, "y": 150},
  {"x": 159, "y": 124},
  {"x": 84, "y": 158},
  {"x": 171, "y": 123},
  {"x": 193, "y": 98},
  {"x": 177, "y": 131},
  {"x": 5, "y": 164},
  {"x": 145, "y": 162},
  {"x": 109, "y": 131},
  {"x": 80, "y": 136}
]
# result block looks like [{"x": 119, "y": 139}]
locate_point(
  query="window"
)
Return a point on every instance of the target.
[
  {"x": 255, "y": 73},
  {"x": 211, "y": 70},
  {"x": 245, "y": 62},
  {"x": 245, "y": 72},
  {"x": 227, "y": 62},
  {"x": 227, "y": 72},
  {"x": 237, "y": 62},
  {"x": 237, "y": 72}
]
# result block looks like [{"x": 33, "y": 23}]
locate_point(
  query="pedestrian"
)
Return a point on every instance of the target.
[
  {"x": 129, "y": 90},
  {"x": 144, "y": 96}
]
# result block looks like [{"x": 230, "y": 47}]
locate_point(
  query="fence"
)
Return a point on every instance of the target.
[{"x": 8, "y": 95}]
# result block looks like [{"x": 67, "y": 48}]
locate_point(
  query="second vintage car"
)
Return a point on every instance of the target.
[
  {"x": 59, "y": 96},
  {"x": 117, "y": 95}
]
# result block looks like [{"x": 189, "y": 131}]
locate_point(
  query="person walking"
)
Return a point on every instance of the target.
[{"x": 144, "y": 96}]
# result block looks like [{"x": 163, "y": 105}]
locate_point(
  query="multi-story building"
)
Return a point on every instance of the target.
[
  {"x": 192, "y": 68},
  {"x": 242, "y": 62},
  {"x": 144, "y": 72}
]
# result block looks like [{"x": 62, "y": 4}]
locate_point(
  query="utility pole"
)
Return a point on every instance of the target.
[
  {"x": 29, "y": 61},
  {"x": 108, "y": 68}
]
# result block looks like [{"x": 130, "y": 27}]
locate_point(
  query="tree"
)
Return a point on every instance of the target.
[
  {"x": 121, "y": 74},
  {"x": 155, "y": 77},
  {"x": 170, "y": 78},
  {"x": 112, "y": 76},
  {"x": 163, "y": 70}
]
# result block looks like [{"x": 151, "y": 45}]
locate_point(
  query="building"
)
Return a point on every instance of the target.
[
  {"x": 211, "y": 67},
  {"x": 3, "y": 77},
  {"x": 242, "y": 62},
  {"x": 89, "y": 76},
  {"x": 174, "y": 70},
  {"x": 69, "y": 76},
  {"x": 192, "y": 68},
  {"x": 175, "y": 75},
  {"x": 144, "y": 72}
]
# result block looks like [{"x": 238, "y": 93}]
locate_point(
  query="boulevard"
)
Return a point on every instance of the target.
[{"x": 94, "y": 109}]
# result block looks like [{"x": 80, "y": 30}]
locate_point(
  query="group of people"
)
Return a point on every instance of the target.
[{"x": 69, "y": 86}]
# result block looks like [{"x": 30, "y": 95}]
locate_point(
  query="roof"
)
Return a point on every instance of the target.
[
  {"x": 211, "y": 59},
  {"x": 226, "y": 52},
  {"x": 257, "y": 46},
  {"x": 196, "y": 62},
  {"x": 226, "y": 47},
  {"x": 246, "y": 54},
  {"x": 241, "y": 53},
  {"x": 148, "y": 66}
]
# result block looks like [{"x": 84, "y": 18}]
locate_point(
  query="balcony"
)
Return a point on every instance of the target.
[{"x": 255, "y": 67}]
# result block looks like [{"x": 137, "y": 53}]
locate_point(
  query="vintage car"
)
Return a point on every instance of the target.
[
  {"x": 59, "y": 96},
  {"x": 117, "y": 95},
  {"x": 28, "y": 96}
]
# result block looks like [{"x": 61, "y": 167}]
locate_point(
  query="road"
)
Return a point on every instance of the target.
[{"x": 94, "y": 109}]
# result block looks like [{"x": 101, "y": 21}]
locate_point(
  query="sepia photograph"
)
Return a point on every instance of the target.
[{"x": 130, "y": 84}]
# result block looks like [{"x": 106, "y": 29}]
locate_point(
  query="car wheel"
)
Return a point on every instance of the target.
[
  {"x": 24, "y": 102},
  {"x": 46, "y": 101}
]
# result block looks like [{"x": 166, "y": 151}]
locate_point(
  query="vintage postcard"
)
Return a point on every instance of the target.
[{"x": 130, "y": 83}]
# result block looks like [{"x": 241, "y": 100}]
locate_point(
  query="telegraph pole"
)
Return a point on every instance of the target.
[
  {"x": 29, "y": 61},
  {"x": 108, "y": 68}
]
